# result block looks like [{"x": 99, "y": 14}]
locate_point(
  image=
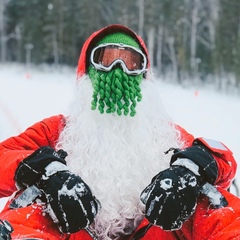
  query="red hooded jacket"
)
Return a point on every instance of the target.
[{"x": 32, "y": 222}]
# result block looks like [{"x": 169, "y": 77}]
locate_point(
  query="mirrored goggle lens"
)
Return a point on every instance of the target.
[{"x": 106, "y": 55}]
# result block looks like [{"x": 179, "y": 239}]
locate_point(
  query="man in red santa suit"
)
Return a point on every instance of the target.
[{"x": 116, "y": 167}]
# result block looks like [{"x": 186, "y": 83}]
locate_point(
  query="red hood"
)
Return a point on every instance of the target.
[{"x": 96, "y": 36}]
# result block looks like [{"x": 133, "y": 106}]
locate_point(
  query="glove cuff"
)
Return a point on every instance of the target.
[
  {"x": 54, "y": 167},
  {"x": 31, "y": 169},
  {"x": 199, "y": 155},
  {"x": 187, "y": 163}
]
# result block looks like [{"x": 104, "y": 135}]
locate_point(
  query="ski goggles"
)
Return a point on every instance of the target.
[{"x": 132, "y": 60}]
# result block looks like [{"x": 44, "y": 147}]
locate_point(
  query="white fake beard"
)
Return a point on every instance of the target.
[{"x": 117, "y": 156}]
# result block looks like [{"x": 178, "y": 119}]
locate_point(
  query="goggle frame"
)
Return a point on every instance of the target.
[{"x": 120, "y": 61}]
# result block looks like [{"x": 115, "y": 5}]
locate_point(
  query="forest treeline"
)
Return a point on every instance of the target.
[{"x": 187, "y": 39}]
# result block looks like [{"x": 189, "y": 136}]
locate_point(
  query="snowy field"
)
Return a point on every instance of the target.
[{"x": 29, "y": 95}]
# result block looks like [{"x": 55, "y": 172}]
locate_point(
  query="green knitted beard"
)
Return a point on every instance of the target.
[{"x": 115, "y": 91}]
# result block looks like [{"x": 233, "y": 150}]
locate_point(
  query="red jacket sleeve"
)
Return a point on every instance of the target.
[
  {"x": 14, "y": 149},
  {"x": 226, "y": 163}
]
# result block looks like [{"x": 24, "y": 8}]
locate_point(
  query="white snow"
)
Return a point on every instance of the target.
[
  {"x": 54, "y": 167},
  {"x": 188, "y": 164},
  {"x": 166, "y": 183},
  {"x": 29, "y": 95},
  {"x": 214, "y": 196}
]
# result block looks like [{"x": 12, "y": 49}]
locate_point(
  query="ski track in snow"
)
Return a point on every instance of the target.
[{"x": 29, "y": 95}]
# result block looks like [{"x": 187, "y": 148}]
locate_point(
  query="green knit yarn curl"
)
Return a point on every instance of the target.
[{"x": 115, "y": 91}]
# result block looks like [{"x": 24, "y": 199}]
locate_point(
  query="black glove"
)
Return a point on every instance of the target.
[
  {"x": 70, "y": 200},
  {"x": 171, "y": 197}
]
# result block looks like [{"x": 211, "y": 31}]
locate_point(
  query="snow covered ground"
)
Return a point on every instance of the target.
[{"x": 29, "y": 95}]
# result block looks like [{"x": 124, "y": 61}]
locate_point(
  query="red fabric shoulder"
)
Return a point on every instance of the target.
[{"x": 14, "y": 149}]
